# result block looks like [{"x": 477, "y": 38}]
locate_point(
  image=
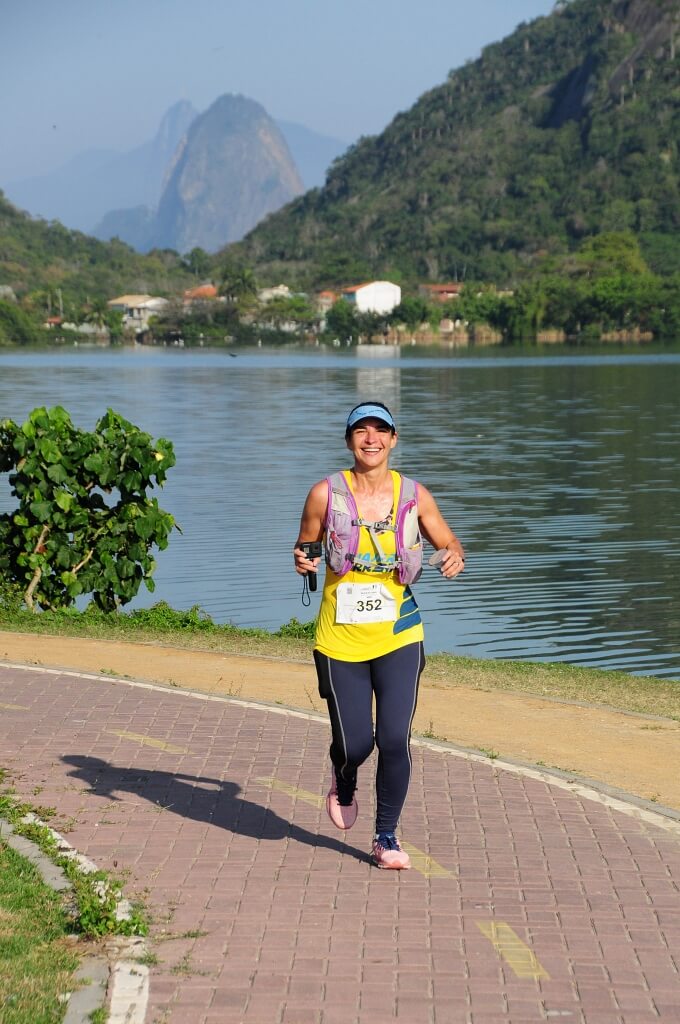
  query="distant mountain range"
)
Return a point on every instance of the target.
[
  {"x": 231, "y": 169},
  {"x": 83, "y": 190},
  {"x": 142, "y": 197},
  {"x": 566, "y": 129}
]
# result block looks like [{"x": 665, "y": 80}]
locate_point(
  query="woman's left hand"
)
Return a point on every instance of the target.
[{"x": 452, "y": 564}]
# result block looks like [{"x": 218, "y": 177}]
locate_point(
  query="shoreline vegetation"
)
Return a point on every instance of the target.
[
  {"x": 604, "y": 292},
  {"x": 615, "y": 311},
  {"x": 193, "y": 629}
]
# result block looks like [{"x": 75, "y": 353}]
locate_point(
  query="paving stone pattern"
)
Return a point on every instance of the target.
[{"x": 263, "y": 913}]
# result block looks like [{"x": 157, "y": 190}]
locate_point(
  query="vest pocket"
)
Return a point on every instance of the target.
[
  {"x": 335, "y": 554},
  {"x": 410, "y": 530}
]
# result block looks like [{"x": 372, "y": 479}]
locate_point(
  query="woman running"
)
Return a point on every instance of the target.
[{"x": 369, "y": 634}]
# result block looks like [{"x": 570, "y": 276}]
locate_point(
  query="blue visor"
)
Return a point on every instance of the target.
[{"x": 370, "y": 411}]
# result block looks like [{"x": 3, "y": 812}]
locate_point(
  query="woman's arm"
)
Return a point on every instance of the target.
[
  {"x": 311, "y": 527},
  {"x": 439, "y": 533}
]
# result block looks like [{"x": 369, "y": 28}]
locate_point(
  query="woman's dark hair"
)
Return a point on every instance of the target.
[{"x": 369, "y": 401}]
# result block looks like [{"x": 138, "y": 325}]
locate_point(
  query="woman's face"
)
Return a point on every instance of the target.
[{"x": 371, "y": 442}]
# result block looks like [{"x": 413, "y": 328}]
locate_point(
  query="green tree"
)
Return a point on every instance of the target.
[
  {"x": 288, "y": 309},
  {"x": 198, "y": 262},
  {"x": 664, "y": 318},
  {"x": 563, "y": 303},
  {"x": 341, "y": 321},
  {"x": 412, "y": 311},
  {"x": 610, "y": 253},
  {"x": 525, "y": 313},
  {"x": 238, "y": 284},
  {"x": 114, "y": 322},
  {"x": 478, "y": 305},
  {"x": 84, "y": 523},
  {"x": 370, "y": 324},
  {"x": 97, "y": 312},
  {"x": 17, "y": 327}
]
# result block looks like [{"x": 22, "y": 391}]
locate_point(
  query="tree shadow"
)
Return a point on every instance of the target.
[{"x": 214, "y": 801}]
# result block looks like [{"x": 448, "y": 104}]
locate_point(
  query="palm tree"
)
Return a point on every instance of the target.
[
  {"x": 97, "y": 312},
  {"x": 239, "y": 287},
  {"x": 237, "y": 282}
]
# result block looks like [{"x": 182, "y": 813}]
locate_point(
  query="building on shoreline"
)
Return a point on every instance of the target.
[
  {"x": 440, "y": 292},
  {"x": 373, "y": 296},
  {"x": 137, "y": 310}
]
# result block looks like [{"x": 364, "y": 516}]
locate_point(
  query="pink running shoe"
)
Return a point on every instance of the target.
[
  {"x": 387, "y": 853},
  {"x": 342, "y": 815}
]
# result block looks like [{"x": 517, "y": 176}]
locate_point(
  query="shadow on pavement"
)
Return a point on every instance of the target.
[{"x": 214, "y": 801}]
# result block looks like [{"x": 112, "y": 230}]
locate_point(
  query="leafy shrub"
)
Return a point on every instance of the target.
[
  {"x": 162, "y": 617},
  {"x": 17, "y": 327},
  {"x": 296, "y": 630},
  {"x": 11, "y": 596},
  {"x": 84, "y": 524}
]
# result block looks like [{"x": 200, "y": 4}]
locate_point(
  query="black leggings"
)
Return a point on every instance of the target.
[{"x": 348, "y": 687}]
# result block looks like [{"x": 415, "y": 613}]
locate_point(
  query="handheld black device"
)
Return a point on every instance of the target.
[{"x": 313, "y": 549}]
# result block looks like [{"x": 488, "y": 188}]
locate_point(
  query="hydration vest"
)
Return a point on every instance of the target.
[{"x": 342, "y": 532}]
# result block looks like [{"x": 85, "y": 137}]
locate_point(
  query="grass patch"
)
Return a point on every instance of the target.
[
  {"x": 36, "y": 960},
  {"x": 191, "y": 629},
  {"x": 194, "y": 629},
  {"x": 642, "y": 694},
  {"x": 99, "y": 908}
]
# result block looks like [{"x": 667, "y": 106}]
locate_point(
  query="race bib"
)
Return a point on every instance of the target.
[{"x": 365, "y": 602}]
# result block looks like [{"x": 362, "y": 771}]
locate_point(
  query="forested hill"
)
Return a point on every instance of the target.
[
  {"x": 39, "y": 256},
  {"x": 567, "y": 128}
]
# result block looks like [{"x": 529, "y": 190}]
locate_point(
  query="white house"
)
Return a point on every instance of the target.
[
  {"x": 137, "y": 310},
  {"x": 278, "y": 291},
  {"x": 374, "y": 297}
]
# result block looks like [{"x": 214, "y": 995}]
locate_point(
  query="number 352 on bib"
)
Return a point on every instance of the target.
[{"x": 365, "y": 602}]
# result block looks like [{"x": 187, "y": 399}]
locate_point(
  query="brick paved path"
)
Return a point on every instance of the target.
[{"x": 526, "y": 903}]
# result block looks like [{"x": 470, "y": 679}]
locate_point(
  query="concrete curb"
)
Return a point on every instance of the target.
[
  {"x": 115, "y": 977},
  {"x": 93, "y": 973}
]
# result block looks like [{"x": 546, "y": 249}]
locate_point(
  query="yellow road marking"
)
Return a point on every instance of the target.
[
  {"x": 147, "y": 741},
  {"x": 425, "y": 864},
  {"x": 509, "y": 946},
  {"x": 14, "y": 707},
  {"x": 422, "y": 862},
  {"x": 298, "y": 794}
]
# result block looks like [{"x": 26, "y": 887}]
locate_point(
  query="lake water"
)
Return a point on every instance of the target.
[{"x": 559, "y": 471}]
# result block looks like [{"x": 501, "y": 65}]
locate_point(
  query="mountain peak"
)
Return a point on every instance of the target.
[
  {"x": 174, "y": 124},
  {"x": 232, "y": 170}
]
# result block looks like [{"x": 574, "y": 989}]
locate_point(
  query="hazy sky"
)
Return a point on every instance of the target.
[{"x": 76, "y": 74}]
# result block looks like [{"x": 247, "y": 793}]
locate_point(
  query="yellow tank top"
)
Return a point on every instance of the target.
[{"x": 351, "y": 642}]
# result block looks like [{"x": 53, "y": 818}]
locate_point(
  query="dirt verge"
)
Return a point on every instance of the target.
[{"x": 635, "y": 753}]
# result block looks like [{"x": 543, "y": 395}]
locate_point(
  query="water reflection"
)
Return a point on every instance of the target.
[
  {"x": 385, "y": 381},
  {"x": 560, "y": 475}
]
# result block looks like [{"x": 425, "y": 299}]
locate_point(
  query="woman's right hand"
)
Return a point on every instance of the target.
[{"x": 303, "y": 564}]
